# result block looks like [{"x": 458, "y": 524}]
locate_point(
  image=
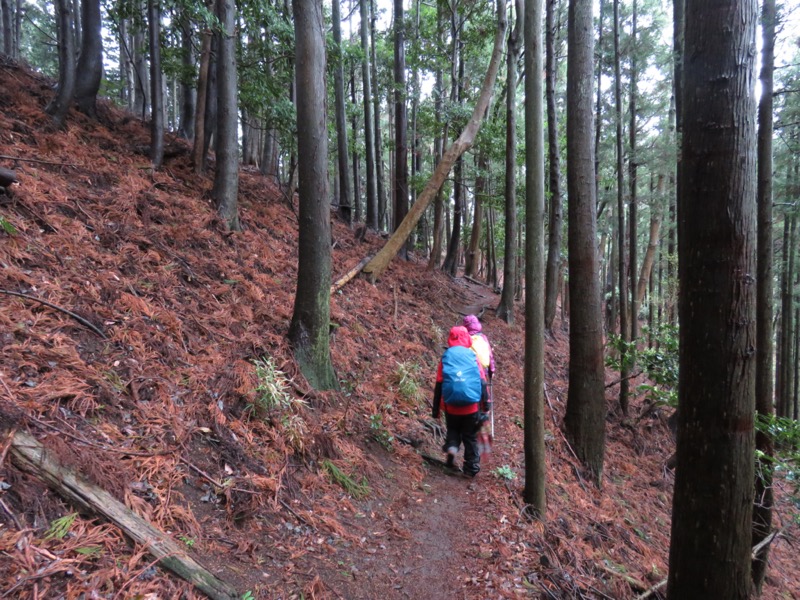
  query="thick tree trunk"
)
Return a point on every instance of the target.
[
  {"x": 554, "y": 161},
  {"x": 156, "y": 84},
  {"x": 377, "y": 265},
  {"x": 226, "y": 178},
  {"x": 90, "y": 64},
  {"x": 59, "y": 106},
  {"x": 345, "y": 197},
  {"x": 309, "y": 330},
  {"x": 535, "y": 471},
  {"x": 713, "y": 499},
  {"x": 585, "y": 414}
]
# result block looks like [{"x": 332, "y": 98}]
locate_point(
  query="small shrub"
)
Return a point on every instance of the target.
[
  {"x": 379, "y": 432},
  {"x": 272, "y": 392},
  {"x": 407, "y": 376},
  {"x": 505, "y": 472}
]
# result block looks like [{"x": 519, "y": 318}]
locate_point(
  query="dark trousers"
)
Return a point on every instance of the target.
[{"x": 464, "y": 428}]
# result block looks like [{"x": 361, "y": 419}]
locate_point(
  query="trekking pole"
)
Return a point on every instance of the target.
[{"x": 491, "y": 398}]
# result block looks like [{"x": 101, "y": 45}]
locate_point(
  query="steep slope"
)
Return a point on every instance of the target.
[{"x": 164, "y": 406}]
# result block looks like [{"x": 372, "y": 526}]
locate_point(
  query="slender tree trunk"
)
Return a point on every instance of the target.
[
  {"x": 764, "y": 497},
  {"x": 59, "y": 106},
  {"x": 717, "y": 259},
  {"x": 535, "y": 471},
  {"x": 450, "y": 265},
  {"x": 90, "y": 63},
  {"x": 585, "y": 414},
  {"x": 345, "y": 197},
  {"x": 188, "y": 92},
  {"x": 156, "y": 84},
  {"x": 226, "y": 179},
  {"x": 473, "y": 258},
  {"x": 554, "y": 161},
  {"x": 785, "y": 381},
  {"x": 505, "y": 310},
  {"x": 632, "y": 172},
  {"x": 141, "y": 103},
  {"x": 310, "y": 326},
  {"x": 440, "y": 140},
  {"x": 624, "y": 329},
  {"x": 198, "y": 152},
  {"x": 376, "y": 115},
  {"x": 369, "y": 124},
  {"x": 356, "y": 156},
  {"x": 649, "y": 255},
  {"x": 598, "y": 121},
  {"x": 8, "y": 32},
  {"x": 401, "y": 122}
]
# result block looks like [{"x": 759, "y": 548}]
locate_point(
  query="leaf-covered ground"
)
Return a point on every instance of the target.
[{"x": 161, "y": 406}]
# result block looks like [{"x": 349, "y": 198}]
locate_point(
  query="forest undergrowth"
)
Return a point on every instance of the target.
[{"x": 170, "y": 384}]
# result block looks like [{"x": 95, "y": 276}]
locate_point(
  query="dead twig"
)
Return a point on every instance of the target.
[
  {"x": 652, "y": 590},
  {"x": 78, "y": 318},
  {"x": 37, "y": 160},
  {"x": 11, "y": 515}
]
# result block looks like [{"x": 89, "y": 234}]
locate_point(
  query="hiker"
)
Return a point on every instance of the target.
[
  {"x": 483, "y": 350},
  {"x": 480, "y": 344},
  {"x": 460, "y": 392}
]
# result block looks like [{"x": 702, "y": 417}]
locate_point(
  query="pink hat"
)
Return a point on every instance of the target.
[{"x": 472, "y": 324}]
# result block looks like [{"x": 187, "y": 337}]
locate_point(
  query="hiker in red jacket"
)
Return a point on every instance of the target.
[{"x": 460, "y": 393}]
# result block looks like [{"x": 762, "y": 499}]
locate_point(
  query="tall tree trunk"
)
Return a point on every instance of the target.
[
  {"x": 226, "y": 177},
  {"x": 716, "y": 260},
  {"x": 369, "y": 125},
  {"x": 310, "y": 326},
  {"x": 376, "y": 115},
  {"x": 59, "y": 106},
  {"x": 505, "y": 309},
  {"x": 188, "y": 92},
  {"x": 472, "y": 258},
  {"x": 375, "y": 268},
  {"x": 356, "y": 156},
  {"x": 649, "y": 255},
  {"x": 90, "y": 63},
  {"x": 785, "y": 380},
  {"x": 450, "y": 265},
  {"x": 598, "y": 121},
  {"x": 198, "y": 148},
  {"x": 535, "y": 472},
  {"x": 440, "y": 140},
  {"x": 585, "y": 414},
  {"x": 624, "y": 330},
  {"x": 125, "y": 92},
  {"x": 554, "y": 161},
  {"x": 345, "y": 197},
  {"x": 141, "y": 103},
  {"x": 632, "y": 172},
  {"x": 156, "y": 84},
  {"x": 401, "y": 122},
  {"x": 764, "y": 497},
  {"x": 678, "y": 26},
  {"x": 8, "y": 31}
]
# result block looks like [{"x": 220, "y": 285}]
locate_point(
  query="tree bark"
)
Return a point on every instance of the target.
[
  {"x": 226, "y": 178},
  {"x": 309, "y": 330},
  {"x": 624, "y": 330},
  {"x": 198, "y": 152},
  {"x": 369, "y": 133},
  {"x": 59, "y": 106},
  {"x": 156, "y": 84},
  {"x": 554, "y": 160},
  {"x": 376, "y": 115},
  {"x": 535, "y": 470},
  {"x": 764, "y": 497},
  {"x": 585, "y": 413},
  {"x": 8, "y": 31},
  {"x": 505, "y": 309},
  {"x": 401, "y": 124},
  {"x": 649, "y": 255},
  {"x": 90, "y": 63},
  {"x": 377, "y": 265},
  {"x": 632, "y": 173},
  {"x": 716, "y": 262},
  {"x": 345, "y": 197},
  {"x": 188, "y": 91}
]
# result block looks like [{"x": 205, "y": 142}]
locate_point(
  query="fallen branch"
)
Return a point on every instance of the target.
[
  {"x": 342, "y": 281},
  {"x": 632, "y": 581},
  {"x": 78, "y": 318},
  {"x": 30, "y": 456},
  {"x": 36, "y": 160}
]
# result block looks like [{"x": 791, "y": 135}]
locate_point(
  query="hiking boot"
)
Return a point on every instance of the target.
[{"x": 450, "y": 460}]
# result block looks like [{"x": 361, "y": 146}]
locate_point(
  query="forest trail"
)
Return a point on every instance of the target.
[{"x": 166, "y": 409}]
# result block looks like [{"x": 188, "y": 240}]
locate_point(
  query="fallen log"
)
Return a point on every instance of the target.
[
  {"x": 30, "y": 456},
  {"x": 340, "y": 283}
]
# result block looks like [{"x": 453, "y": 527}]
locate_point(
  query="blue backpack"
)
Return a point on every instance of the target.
[{"x": 461, "y": 377}]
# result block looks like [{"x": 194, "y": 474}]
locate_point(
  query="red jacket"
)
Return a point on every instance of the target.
[{"x": 459, "y": 336}]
